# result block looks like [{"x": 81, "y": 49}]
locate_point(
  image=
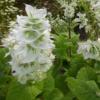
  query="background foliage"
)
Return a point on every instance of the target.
[{"x": 8, "y": 12}]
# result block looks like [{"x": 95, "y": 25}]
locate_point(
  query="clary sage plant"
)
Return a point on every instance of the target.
[
  {"x": 30, "y": 45},
  {"x": 76, "y": 15},
  {"x": 91, "y": 49},
  {"x": 53, "y": 58}
]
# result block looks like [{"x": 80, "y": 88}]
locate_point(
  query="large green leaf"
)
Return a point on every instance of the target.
[
  {"x": 86, "y": 73},
  {"x": 56, "y": 94},
  {"x": 61, "y": 47},
  {"x": 60, "y": 83},
  {"x": 69, "y": 96},
  {"x": 49, "y": 85},
  {"x": 77, "y": 62},
  {"x": 23, "y": 92},
  {"x": 83, "y": 90}
]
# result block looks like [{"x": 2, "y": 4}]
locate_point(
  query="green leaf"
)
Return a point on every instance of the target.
[
  {"x": 49, "y": 85},
  {"x": 86, "y": 73},
  {"x": 76, "y": 64},
  {"x": 5, "y": 77},
  {"x": 83, "y": 90},
  {"x": 56, "y": 94},
  {"x": 97, "y": 67},
  {"x": 18, "y": 91},
  {"x": 36, "y": 89},
  {"x": 93, "y": 85},
  {"x": 61, "y": 47},
  {"x": 60, "y": 83},
  {"x": 3, "y": 60},
  {"x": 69, "y": 96}
]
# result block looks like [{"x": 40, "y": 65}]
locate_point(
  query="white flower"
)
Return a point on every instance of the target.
[
  {"x": 30, "y": 46},
  {"x": 82, "y": 20},
  {"x": 90, "y": 49},
  {"x": 69, "y": 7},
  {"x": 88, "y": 28},
  {"x": 69, "y": 11}
]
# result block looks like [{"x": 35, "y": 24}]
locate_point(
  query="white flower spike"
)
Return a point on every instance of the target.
[{"x": 30, "y": 46}]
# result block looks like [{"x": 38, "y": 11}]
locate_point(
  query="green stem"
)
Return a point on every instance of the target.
[{"x": 69, "y": 30}]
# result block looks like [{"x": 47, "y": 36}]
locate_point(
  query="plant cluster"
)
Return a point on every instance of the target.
[{"x": 60, "y": 61}]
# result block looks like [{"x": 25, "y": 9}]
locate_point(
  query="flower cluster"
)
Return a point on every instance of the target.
[
  {"x": 69, "y": 7},
  {"x": 82, "y": 20},
  {"x": 8, "y": 12},
  {"x": 90, "y": 49},
  {"x": 95, "y": 5},
  {"x": 30, "y": 46}
]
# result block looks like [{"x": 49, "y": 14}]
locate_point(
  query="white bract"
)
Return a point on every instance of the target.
[
  {"x": 90, "y": 49},
  {"x": 82, "y": 20},
  {"x": 30, "y": 46}
]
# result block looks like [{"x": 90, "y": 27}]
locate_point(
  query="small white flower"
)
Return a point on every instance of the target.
[
  {"x": 69, "y": 7},
  {"x": 88, "y": 28},
  {"x": 82, "y": 20},
  {"x": 69, "y": 11},
  {"x": 90, "y": 49}
]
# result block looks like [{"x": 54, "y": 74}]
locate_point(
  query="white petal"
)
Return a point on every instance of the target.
[{"x": 36, "y": 13}]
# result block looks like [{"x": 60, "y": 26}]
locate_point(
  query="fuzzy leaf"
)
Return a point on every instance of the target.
[
  {"x": 86, "y": 73},
  {"x": 83, "y": 90},
  {"x": 56, "y": 94},
  {"x": 22, "y": 92}
]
